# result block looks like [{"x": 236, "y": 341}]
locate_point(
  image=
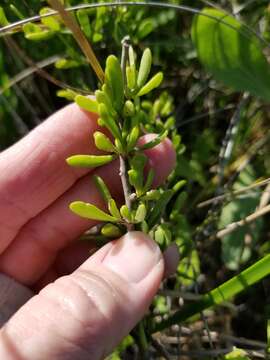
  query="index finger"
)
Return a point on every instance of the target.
[{"x": 34, "y": 172}]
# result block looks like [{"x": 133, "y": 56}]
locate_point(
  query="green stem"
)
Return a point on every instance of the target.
[{"x": 220, "y": 294}]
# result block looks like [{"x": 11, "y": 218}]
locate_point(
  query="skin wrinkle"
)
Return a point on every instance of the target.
[
  {"x": 58, "y": 331},
  {"x": 94, "y": 281}
]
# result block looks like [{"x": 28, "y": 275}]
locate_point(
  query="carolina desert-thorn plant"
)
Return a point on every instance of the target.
[{"x": 119, "y": 106}]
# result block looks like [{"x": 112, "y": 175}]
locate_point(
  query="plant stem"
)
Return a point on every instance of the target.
[
  {"x": 125, "y": 46},
  {"x": 123, "y": 164},
  {"x": 220, "y": 294},
  {"x": 124, "y": 180}
]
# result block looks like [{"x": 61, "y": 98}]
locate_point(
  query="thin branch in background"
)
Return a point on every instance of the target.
[
  {"x": 235, "y": 193},
  {"x": 42, "y": 72},
  {"x": 249, "y": 219},
  {"x": 29, "y": 71}
]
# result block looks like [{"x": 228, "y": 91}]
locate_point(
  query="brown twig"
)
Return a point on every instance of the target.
[{"x": 249, "y": 219}]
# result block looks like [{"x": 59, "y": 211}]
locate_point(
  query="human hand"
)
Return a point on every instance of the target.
[{"x": 86, "y": 305}]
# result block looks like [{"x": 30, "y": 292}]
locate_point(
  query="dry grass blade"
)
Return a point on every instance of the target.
[
  {"x": 79, "y": 36},
  {"x": 249, "y": 219}
]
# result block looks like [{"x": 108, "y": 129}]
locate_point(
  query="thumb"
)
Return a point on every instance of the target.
[{"x": 86, "y": 314}]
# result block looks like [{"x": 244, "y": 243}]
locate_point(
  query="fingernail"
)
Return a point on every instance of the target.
[{"x": 133, "y": 256}]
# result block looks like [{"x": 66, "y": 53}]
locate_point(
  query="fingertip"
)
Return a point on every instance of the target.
[{"x": 171, "y": 259}]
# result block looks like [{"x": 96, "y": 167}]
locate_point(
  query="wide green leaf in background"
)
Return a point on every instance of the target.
[{"x": 231, "y": 53}]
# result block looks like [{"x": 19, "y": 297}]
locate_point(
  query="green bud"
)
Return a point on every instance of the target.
[
  {"x": 152, "y": 84},
  {"x": 145, "y": 67},
  {"x": 102, "y": 142},
  {"x": 129, "y": 108},
  {"x": 90, "y": 161},
  {"x": 87, "y": 103},
  {"x": 111, "y": 231}
]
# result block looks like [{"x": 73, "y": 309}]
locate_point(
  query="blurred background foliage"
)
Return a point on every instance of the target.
[{"x": 221, "y": 136}]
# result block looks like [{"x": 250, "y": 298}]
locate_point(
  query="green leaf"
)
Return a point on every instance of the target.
[
  {"x": 178, "y": 186},
  {"x": 189, "y": 268},
  {"x": 146, "y": 27},
  {"x": 66, "y": 64},
  {"x": 108, "y": 121},
  {"x": 152, "y": 84},
  {"x": 3, "y": 19},
  {"x": 83, "y": 19},
  {"x": 90, "y": 211},
  {"x": 140, "y": 213},
  {"x": 125, "y": 213},
  {"x": 16, "y": 12},
  {"x": 149, "y": 180},
  {"x": 89, "y": 160},
  {"x": 102, "y": 142},
  {"x": 131, "y": 77},
  {"x": 133, "y": 138},
  {"x": 231, "y": 53},
  {"x": 52, "y": 22},
  {"x": 87, "y": 103},
  {"x": 157, "y": 140},
  {"x": 67, "y": 94},
  {"x": 114, "y": 78},
  {"x": 237, "y": 354},
  {"x": 103, "y": 98},
  {"x": 151, "y": 195},
  {"x": 114, "y": 209},
  {"x": 103, "y": 189},
  {"x": 111, "y": 231},
  {"x": 145, "y": 67},
  {"x": 36, "y": 33},
  {"x": 236, "y": 250},
  {"x": 160, "y": 206}
]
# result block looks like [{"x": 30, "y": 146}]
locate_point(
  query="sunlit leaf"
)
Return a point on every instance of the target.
[
  {"x": 102, "y": 142},
  {"x": 151, "y": 84},
  {"x": 111, "y": 231},
  {"x": 145, "y": 67},
  {"x": 231, "y": 53},
  {"x": 90, "y": 211},
  {"x": 87, "y": 103},
  {"x": 89, "y": 160}
]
